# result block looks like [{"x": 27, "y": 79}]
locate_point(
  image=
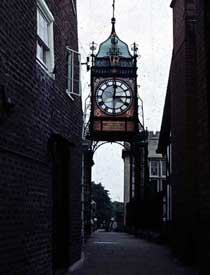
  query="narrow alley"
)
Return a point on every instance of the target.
[
  {"x": 104, "y": 137},
  {"x": 111, "y": 253}
]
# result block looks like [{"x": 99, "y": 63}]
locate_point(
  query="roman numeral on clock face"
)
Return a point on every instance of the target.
[{"x": 126, "y": 104}]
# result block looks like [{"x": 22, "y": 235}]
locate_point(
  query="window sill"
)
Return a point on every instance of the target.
[
  {"x": 44, "y": 67},
  {"x": 72, "y": 94}
]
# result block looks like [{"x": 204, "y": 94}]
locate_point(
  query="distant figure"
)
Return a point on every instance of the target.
[{"x": 114, "y": 226}]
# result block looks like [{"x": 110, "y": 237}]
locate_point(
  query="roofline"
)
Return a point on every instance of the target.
[
  {"x": 113, "y": 33},
  {"x": 173, "y": 2},
  {"x": 119, "y": 40},
  {"x": 165, "y": 130}
]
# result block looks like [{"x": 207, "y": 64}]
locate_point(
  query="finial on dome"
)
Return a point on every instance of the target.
[
  {"x": 113, "y": 17},
  {"x": 113, "y": 6}
]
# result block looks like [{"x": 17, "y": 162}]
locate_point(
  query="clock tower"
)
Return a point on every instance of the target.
[
  {"x": 114, "y": 99},
  {"x": 114, "y": 116}
]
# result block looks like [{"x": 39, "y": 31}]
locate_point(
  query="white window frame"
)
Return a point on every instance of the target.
[
  {"x": 169, "y": 156},
  {"x": 74, "y": 7},
  {"x": 50, "y": 62},
  {"x": 70, "y": 73}
]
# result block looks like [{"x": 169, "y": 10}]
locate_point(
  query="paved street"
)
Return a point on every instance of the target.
[{"x": 109, "y": 253}]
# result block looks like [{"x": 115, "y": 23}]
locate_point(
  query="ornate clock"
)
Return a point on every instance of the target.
[
  {"x": 114, "y": 101},
  {"x": 114, "y": 97}
]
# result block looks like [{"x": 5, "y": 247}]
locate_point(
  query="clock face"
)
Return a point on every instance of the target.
[{"x": 114, "y": 97}]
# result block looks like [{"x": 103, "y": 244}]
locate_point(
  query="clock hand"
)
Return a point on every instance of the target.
[
  {"x": 114, "y": 87},
  {"x": 114, "y": 103},
  {"x": 107, "y": 100},
  {"x": 121, "y": 96}
]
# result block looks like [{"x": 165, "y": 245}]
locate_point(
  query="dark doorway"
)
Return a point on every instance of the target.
[{"x": 61, "y": 203}]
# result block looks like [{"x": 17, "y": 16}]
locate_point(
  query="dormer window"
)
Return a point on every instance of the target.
[{"x": 45, "y": 39}]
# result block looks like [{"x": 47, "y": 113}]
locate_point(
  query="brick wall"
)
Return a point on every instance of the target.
[
  {"x": 41, "y": 109},
  {"x": 183, "y": 129},
  {"x": 203, "y": 130},
  {"x": 190, "y": 133},
  {"x": 87, "y": 189},
  {"x": 179, "y": 103}
]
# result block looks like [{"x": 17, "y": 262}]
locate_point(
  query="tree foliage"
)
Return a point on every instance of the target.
[{"x": 100, "y": 195}]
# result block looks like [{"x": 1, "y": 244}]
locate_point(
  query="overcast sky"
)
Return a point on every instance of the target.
[{"x": 149, "y": 24}]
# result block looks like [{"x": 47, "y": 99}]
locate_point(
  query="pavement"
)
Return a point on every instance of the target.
[{"x": 113, "y": 253}]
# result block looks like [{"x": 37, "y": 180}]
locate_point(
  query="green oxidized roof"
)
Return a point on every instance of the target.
[{"x": 113, "y": 46}]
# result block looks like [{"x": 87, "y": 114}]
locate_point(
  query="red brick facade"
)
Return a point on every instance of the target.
[
  {"x": 183, "y": 98},
  {"x": 40, "y": 144},
  {"x": 188, "y": 112}
]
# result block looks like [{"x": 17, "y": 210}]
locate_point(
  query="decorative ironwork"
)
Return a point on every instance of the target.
[
  {"x": 97, "y": 144},
  {"x": 93, "y": 47},
  {"x": 87, "y": 63},
  {"x": 113, "y": 6},
  {"x": 134, "y": 48}
]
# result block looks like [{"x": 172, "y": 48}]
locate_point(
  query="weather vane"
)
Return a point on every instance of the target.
[{"x": 113, "y": 5}]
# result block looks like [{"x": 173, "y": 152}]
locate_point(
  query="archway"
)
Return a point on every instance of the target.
[
  {"x": 110, "y": 174},
  {"x": 131, "y": 181}
]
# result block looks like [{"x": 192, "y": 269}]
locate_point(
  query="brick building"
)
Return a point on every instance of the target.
[
  {"x": 185, "y": 132},
  {"x": 157, "y": 188},
  {"x": 135, "y": 157},
  {"x": 157, "y": 164},
  {"x": 151, "y": 201},
  {"x": 40, "y": 137}
]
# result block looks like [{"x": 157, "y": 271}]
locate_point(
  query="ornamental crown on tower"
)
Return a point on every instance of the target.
[{"x": 113, "y": 46}]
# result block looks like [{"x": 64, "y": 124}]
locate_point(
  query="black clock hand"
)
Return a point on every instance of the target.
[
  {"x": 114, "y": 105},
  {"x": 121, "y": 96},
  {"x": 114, "y": 87}
]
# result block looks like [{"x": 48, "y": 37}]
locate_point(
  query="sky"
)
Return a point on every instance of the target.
[{"x": 149, "y": 24}]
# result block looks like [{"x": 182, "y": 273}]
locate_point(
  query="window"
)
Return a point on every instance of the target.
[
  {"x": 163, "y": 168},
  {"x": 74, "y": 7},
  {"x": 154, "y": 168},
  {"x": 45, "y": 40},
  {"x": 73, "y": 85}
]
